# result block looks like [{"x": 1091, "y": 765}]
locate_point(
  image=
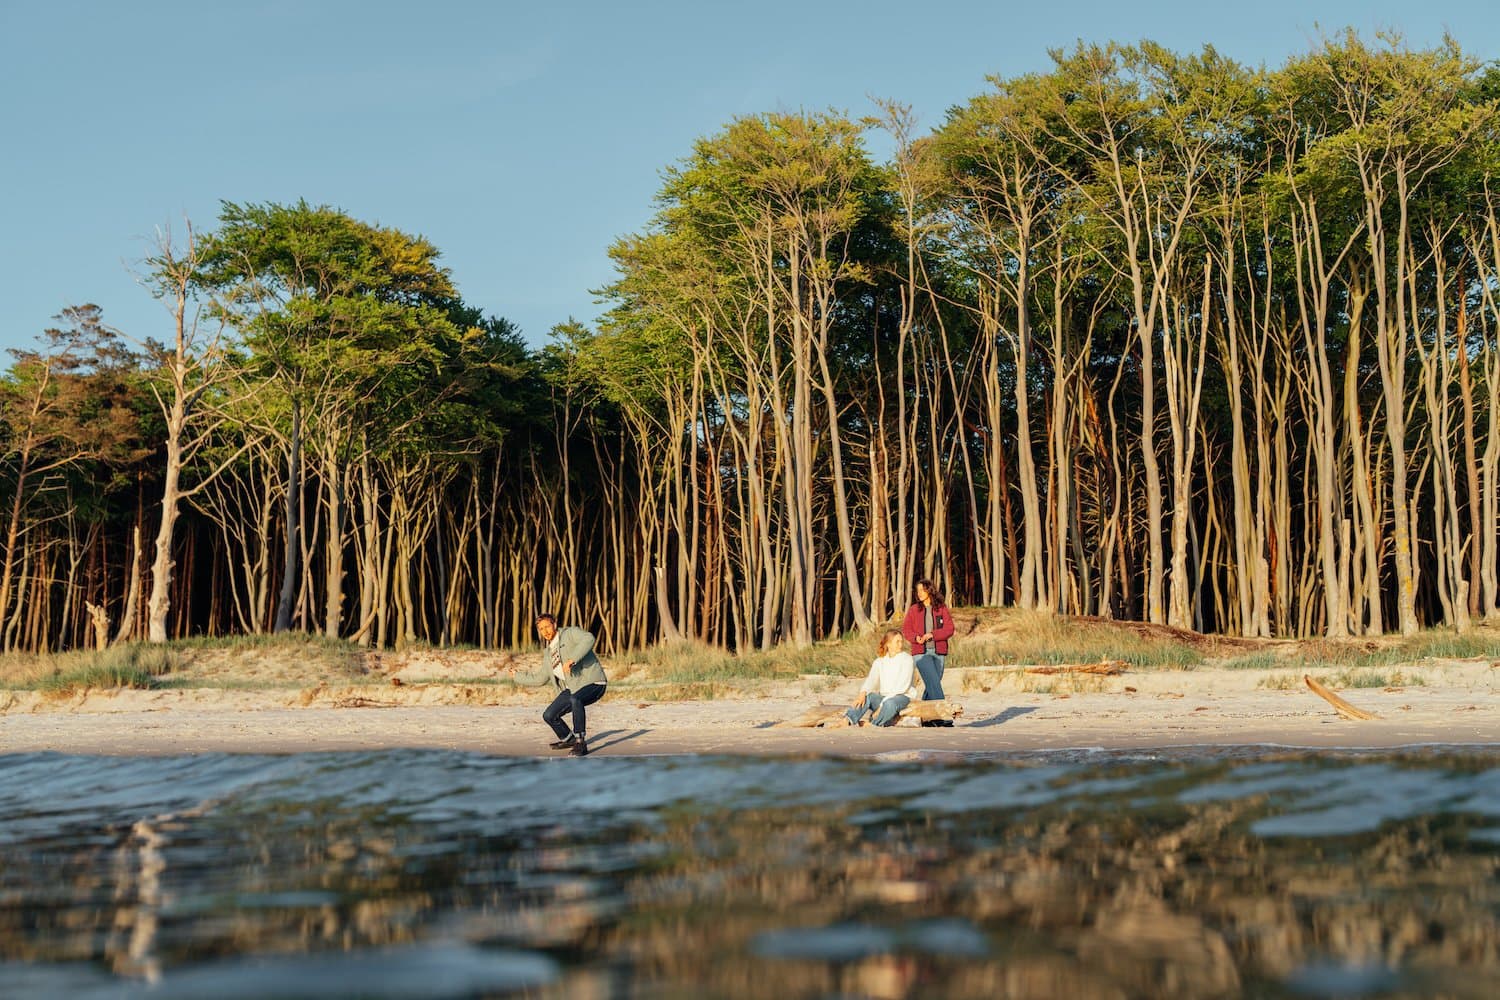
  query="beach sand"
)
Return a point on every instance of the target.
[{"x": 1455, "y": 704}]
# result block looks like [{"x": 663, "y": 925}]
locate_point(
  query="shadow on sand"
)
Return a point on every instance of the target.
[
  {"x": 1014, "y": 712},
  {"x": 603, "y": 742}
]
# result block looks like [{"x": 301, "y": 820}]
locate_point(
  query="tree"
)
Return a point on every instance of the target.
[
  {"x": 63, "y": 406},
  {"x": 187, "y": 377},
  {"x": 334, "y": 313}
]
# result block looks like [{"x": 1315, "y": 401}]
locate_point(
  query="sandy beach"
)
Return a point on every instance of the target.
[{"x": 1455, "y": 704}]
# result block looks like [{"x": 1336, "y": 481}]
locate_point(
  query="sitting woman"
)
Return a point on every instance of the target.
[{"x": 891, "y": 686}]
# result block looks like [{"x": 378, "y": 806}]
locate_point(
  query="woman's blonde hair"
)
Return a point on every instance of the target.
[{"x": 885, "y": 640}]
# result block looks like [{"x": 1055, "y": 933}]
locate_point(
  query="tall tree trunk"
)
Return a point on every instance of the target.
[
  {"x": 334, "y": 479},
  {"x": 1462, "y": 362},
  {"x": 159, "y": 603},
  {"x": 291, "y": 548}
]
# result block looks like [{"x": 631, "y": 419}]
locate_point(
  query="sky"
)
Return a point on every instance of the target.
[{"x": 522, "y": 139}]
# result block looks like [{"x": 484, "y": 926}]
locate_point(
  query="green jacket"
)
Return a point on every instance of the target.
[{"x": 574, "y": 644}]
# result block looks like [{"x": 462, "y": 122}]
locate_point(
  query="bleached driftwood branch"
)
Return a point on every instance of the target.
[
  {"x": 833, "y": 715},
  {"x": 1340, "y": 706},
  {"x": 1108, "y": 668}
]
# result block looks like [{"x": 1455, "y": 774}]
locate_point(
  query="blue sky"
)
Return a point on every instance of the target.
[{"x": 521, "y": 138}]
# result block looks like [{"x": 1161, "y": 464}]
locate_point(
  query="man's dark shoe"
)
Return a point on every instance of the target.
[
  {"x": 563, "y": 744},
  {"x": 579, "y": 749}
]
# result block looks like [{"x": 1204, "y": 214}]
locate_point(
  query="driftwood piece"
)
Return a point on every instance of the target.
[
  {"x": 833, "y": 715},
  {"x": 359, "y": 701},
  {"x": 1340, "y": 706},
  {"x": 818, "y": 715},
  {"x": 1107, "y": 668}
]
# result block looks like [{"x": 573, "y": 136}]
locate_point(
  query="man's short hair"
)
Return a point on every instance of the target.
[{"x": 545, "y": 618}]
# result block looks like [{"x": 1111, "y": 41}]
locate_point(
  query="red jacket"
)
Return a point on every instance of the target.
[{"x": 914, "y": 625}]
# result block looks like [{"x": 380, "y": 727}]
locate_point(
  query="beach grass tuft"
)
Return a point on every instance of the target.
[
  {"x": 132, "y": 665},
  {"x": 1253, "y": 661}
]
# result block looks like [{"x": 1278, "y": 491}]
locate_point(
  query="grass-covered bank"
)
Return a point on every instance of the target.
[
  {"x": 999, "y": 638},
  {"x": 1003, "y": 640},
  {"x": 248, "y": 661},
  {"x": 985, "y": 637}
]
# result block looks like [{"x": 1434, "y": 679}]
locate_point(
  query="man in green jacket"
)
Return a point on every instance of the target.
[{"x": 568, "y": 661}]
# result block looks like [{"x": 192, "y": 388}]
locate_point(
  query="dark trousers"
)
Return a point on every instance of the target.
[{"x": 574, "y": 700}]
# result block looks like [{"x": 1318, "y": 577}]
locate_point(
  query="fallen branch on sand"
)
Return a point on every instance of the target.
[
  {"x": 833, "y": 715},
  {"x": 358, "y": 701},
  {"x": 1108, "y": 668},
  {"x": 1340, "y": 706},
  {"x": 404, "y": 695}
]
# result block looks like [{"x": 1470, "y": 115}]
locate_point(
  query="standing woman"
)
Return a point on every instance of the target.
[{"x": 928, "y": 626}]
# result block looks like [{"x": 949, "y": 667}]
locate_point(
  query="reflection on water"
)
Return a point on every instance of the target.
[{"x": 417, "y": 874}]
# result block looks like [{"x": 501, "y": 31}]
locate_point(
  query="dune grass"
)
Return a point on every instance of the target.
[
  {"x": 1358, "y": 663},
  {"x": 290, "y": 659},
  {"x": 242, "y": 662},
  {"x": 1349, "y": 678},
  {"x": 266, "y": 640},
  {"x": 1007, "y": 637},
  {"x": 1011, "y": 637},
  {"x": 1062, "y": 685},
  {"x": 1253, "y": 661},
  {"x": 988, "y": 637},
  {"x": 1434, "y": 644},
  {"x": 689, "y": 663},
  {"x": 1037, "y": 637},
  {"x": 133, "y": 665}
]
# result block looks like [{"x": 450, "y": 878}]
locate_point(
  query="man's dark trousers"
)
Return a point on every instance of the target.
[{"x": 575, "y": 700}]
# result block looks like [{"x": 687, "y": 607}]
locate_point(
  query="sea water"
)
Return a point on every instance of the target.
[{"x": 434, "y": 874}]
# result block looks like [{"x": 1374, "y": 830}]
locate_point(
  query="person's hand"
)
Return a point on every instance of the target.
[{"x": 568, "y": 666}]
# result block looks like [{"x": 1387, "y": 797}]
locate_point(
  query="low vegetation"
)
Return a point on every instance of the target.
[
  {"x": 987, "y": 637},
  {"x": 1010, "y": 636},
  {"x": 1353, "y": 677},
  {"x": 288, "y": 660}
]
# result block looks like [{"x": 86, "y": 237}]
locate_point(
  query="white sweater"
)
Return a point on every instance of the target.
[{"x": 891, "y": 675}]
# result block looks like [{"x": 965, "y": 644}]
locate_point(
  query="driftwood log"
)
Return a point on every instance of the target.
[
  {"x": 1108, "y": 668},
  {"x": 918, "y": 711},
  {"x": 1340, "y": 706}
]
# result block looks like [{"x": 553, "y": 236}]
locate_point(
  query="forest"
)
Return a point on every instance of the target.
[{"x": 1148, "y": 335}]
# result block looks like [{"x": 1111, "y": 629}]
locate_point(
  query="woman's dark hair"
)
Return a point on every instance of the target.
[{"x": 932, "y": 591}]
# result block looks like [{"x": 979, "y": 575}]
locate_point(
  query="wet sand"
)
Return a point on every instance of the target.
[{"x": 1456, "y": 705}]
